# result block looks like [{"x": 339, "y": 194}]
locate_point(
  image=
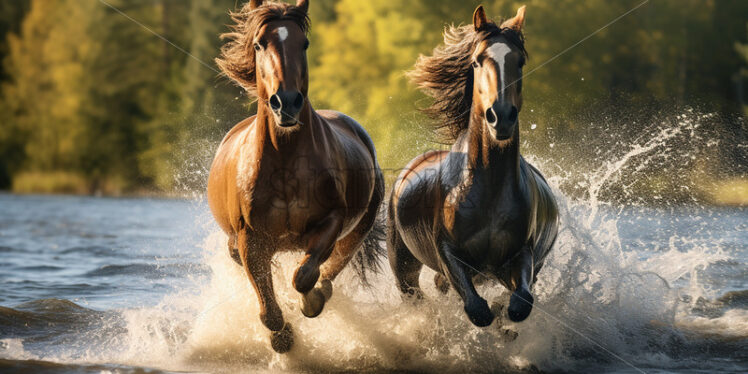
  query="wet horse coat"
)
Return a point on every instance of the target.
[
  {"x": 290, "y": 178},
  {"x": 480, "y": 207}
]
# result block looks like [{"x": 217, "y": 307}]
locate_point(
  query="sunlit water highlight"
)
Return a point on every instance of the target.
[{"x": 119, "y": 285}]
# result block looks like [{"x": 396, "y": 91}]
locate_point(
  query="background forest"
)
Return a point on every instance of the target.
[{"x": 92, "y": 102}]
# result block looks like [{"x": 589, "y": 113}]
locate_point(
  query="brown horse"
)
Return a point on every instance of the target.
[
  {"x": 479, "y": 208},
  {"x": 290, "y": 178}
]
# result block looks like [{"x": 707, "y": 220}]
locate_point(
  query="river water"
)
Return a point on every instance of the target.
[
  {"x": 147, "y": 285},
  {"x": 133, "y": 285}
]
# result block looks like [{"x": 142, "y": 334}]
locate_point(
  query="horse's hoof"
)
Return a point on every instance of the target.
[
  {"x": 479, "y": 313},
  {"x": 282, "y": 340},
  {"x": 520, "y": 305},
  {"x": 312, "y": 303},
  {"x": 326, "y": 287},
  {"x": 441, "y": 282},
  {"x": 305, "y": 278}
]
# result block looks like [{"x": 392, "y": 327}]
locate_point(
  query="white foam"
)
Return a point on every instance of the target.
[{"x": 12, "y": 349}]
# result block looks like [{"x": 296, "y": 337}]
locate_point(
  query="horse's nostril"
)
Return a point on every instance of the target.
[
  {"x": 299, "y": 100},
  {"x": 275, "y": 103},
  {"x": 513, "y": 115},
  {"x": 491, "y": 116}
]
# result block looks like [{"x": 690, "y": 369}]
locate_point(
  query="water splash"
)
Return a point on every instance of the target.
[{"x": 647, "y": 306}]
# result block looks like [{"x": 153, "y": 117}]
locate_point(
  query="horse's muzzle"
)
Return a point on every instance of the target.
[
  {"x": 502, "y": 117},
  {"x": 286, "y": 107}
]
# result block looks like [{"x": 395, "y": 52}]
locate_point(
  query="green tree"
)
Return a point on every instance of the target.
[
  {"x": 44, "y": 97},
  {"x": 742, "y": 75},
  {"x": 89, "y": 92}
]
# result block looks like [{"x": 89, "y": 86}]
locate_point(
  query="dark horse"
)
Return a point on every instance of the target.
[
  {"x": 480, "y": 207},
  {"x": 290, "y": 178}
]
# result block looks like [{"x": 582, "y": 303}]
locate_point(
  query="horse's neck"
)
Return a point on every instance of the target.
[
  {"x": 272, "y": 138},
  {"x": 501, "y": 164}
]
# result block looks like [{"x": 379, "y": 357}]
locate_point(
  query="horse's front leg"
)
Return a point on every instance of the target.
[
  {"x": 320, "y": 243},
  {"x": 459, "y": 275},
  {"x": 520, "y": 271},
  {"x": 256, "y": 256}
]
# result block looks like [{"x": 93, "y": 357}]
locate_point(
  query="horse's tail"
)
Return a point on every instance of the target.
[{"x": 368, "y": 258}]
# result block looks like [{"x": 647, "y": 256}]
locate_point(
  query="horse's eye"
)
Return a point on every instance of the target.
[
  {"x": 306, "y": 44},
  {"x": 258, "y": 47},
  {"x": 476, "y": 64}
]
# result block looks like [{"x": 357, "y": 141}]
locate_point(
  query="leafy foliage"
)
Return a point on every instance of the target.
[{"x": 88, "y": 92}]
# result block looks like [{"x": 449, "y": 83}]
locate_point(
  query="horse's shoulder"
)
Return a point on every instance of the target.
[
  {"x": 333, "y": 115},
  {"x": 238, "y": 128},
  {"x": 541, "y": 189},
  {"x": 530, "y": 169},
  {"x": 341, "y": 121},
  {"x": 536, "y": 179}
]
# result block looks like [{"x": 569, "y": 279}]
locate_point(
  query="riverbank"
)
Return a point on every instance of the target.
[
  {"x": 727, "y": 193},
  {"x": 68, "y": 183}
]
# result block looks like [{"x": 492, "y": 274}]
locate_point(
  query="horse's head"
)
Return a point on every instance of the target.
[
  {"x": 267, "y": 56},
  {"x": 280, "y": 52},
  {"x": 497, "y": 70}
]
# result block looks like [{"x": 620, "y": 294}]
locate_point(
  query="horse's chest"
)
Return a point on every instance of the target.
[
  {"x": 287, "y": 200},
  {"x": 493, "y": 230}
]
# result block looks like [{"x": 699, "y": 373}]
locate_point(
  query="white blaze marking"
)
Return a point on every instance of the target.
[
  {"x": 283, "y": 33},
  {"x": 498, "y": 52}
]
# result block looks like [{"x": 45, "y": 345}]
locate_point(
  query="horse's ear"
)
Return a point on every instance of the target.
[
  {"x": 517, "y": 22},
  {"x": 304, "y": 5},
  {"x": 254, "y": 4},
  {"x": 479, "y": 18}
]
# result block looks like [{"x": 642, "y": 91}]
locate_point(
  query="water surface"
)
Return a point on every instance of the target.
[{"x": 134, "y": 285}]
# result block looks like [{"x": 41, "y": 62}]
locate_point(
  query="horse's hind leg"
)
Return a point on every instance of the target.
[
  {"x": 520, "y": 274},
  {"x": 256, "y": 258},
  {"x": 405, "y": 266}
]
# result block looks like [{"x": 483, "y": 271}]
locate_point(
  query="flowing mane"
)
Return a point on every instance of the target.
[
  {"x": 237, "y": 60},
  {"x": 447, "y": 75}
]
